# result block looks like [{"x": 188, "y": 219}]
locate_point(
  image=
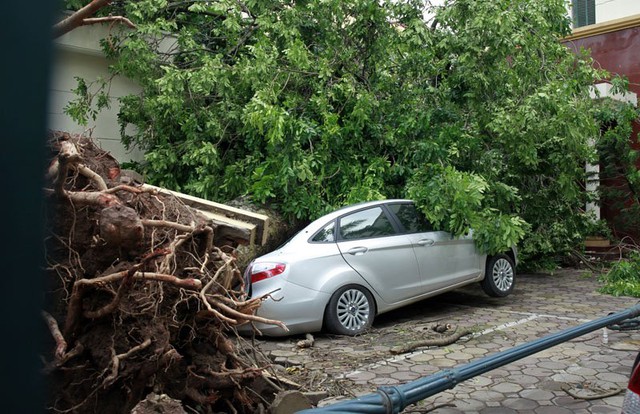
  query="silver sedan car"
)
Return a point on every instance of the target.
[{"x": 348, "y": 266}]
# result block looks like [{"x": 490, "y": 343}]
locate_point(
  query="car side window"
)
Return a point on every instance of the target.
[
  {"x": 411, "y": 219},
  {"x": 372, "y": 222},
  {"x": 326, "y": 235}
]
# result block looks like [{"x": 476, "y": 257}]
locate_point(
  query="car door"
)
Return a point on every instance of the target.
[
  {"x": 435, "y": 263},
  {"x": 369, "y": 241},
  {"x": 468, "y": 263},
  {"x": 442, "y": 259}
]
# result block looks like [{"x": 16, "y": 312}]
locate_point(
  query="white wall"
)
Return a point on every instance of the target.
[
  {"x": 78, "y": 53},
  {"x": 615, "y": 9}
]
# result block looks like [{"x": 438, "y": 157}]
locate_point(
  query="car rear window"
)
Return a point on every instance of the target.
[{"x": 326, "y": 235}]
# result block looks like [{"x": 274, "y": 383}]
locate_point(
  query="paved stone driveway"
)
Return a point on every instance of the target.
[{"x": 540, "y": 384}]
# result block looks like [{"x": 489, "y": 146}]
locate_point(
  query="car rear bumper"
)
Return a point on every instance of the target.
[{"x": 302, "y": 308}]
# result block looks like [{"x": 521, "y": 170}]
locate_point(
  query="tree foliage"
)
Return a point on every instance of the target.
[
  {"x": 475, "y": 109},
  {"x": 618, "y": 160}
]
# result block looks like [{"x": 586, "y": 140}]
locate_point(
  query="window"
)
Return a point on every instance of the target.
[
  {"x": 584, "y": 12},
  {"x": 411, "y": 219},
  {"x": 326, "y": 235},
  {"x": 364, "y": 224}
]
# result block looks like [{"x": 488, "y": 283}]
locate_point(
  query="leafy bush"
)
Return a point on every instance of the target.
[
  {"x": 619, "y": 162},
  {"x": 623, "y": 279}
]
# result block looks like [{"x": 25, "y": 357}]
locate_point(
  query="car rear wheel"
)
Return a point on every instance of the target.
[
  {"x": 350, "y": 311},
  {"x": 500, "y": 276}
]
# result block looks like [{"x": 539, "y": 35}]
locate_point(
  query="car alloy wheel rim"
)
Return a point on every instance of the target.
[
  {"x": 503, "y": 274},
  {"x": 353, "y": 309}
]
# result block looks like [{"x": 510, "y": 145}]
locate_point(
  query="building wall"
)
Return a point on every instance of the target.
[
  {"x": 78, "y": 53},
  {"x": 614, "y": 46},
  {"x": 607, "y": 10}
]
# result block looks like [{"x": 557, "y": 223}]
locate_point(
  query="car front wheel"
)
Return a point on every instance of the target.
[
  {"x": 500, "y": 276},
  {"x": 350, "y": 311}
]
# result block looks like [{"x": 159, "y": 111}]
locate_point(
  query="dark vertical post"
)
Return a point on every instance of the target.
[{"x": 24, "y": 73}]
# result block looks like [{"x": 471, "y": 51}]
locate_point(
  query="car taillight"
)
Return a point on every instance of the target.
[
  {"x": 632, "y": 397},
  {"x": 262, "y": 271}
]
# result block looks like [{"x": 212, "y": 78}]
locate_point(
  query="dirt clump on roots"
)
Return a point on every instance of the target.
[{"x": 139, "y": 300}]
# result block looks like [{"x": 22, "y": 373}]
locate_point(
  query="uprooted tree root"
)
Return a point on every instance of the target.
[{"x": 139, "y": 298}]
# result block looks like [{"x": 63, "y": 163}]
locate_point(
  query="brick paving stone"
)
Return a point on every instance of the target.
[
  {"x": 596, "y": 365},
  {"x": 613, "y": 377},
  {"x": 443, "y": 363},
  {"x": 384, "y": 381},
  {"x": 476, "y": 351},
  {"x": 615, "y": 401},
  {"x": 538, "y": 372},
  {"x": 498, "y": 373},
  {"x": 423, "y": 369},
  {"x": 498, "y": 410},
  {"x": 524, "y": 379},
  {"x": 361, "y": 376},
  {"x": 405, "y": 376},
  {"x": 605, "y": 358},
  {"x": 507, "y": 388},
  {"x": 570, "y": 402},
  {"x": 283, "y": 353},
  {"x": 551, "y": 365},
  {"x": 422, "y": 358},
  {"x": 568, "y": 378},
  {"x": 487, "y": 395},
  {"x": 469, "y": 404},
  {"x": 603, "y": 409},
  {"x": 582, "y": 371},
  {"x": 384, "y": 369},
  {"x": 460, "y": 356},
  {"x": 520, "y": 404},
  {"x": 447, "y": 410},
  {"x": 537, "y": 394},
  {"x": 479, "y": 381},
  {"x": 437, "y": 352},
  {"x": 552, "y": 410}
]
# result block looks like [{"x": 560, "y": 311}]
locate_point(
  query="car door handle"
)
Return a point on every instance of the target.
[
  {"x": 426, "y": 242},
  {"x": 357, "y": 251}
]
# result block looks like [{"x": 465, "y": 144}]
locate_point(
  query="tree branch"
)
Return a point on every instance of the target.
[
  {"x": 107, "y": 19},
  {"x": 401, "y": 349},
  {"x": 82, "y": 18}
]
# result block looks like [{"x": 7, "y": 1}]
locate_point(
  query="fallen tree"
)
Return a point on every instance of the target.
[{"x": 139, "y": 299}]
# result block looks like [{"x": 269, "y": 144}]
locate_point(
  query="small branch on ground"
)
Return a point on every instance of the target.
[
  {"x": 447, "y": 340},
  {"x": 306, "y": 343}
]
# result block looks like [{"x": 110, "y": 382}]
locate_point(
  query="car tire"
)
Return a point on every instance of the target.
[
  {"x": 500, "y": 276},
  {"x": 350, "y": 311}
]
